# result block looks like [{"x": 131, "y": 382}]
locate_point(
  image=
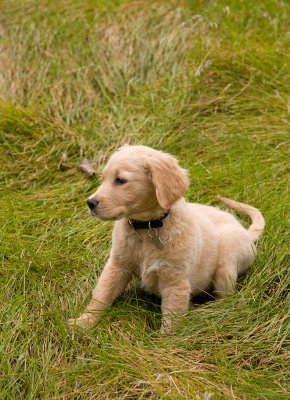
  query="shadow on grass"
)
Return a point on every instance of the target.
[{"x": 148, "y": 304}]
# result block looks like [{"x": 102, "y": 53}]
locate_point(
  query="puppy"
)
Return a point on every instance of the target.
[{"x": 174, "y": 248}]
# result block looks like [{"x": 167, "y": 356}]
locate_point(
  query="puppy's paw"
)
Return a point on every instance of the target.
[
  {"x": 166, "y": 329},
  {"x": 83, "y": 321}
]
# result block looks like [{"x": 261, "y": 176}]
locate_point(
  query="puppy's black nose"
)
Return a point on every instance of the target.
[{"x": 92, "y": 203}]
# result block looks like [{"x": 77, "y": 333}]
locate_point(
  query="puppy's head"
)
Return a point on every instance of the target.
[{"x": 139, "y": 183}]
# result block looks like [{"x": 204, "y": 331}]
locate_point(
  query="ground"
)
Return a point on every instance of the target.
[{"x": 203, "y": 80}]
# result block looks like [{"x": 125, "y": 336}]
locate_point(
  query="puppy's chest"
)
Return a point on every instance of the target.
[{"x": 146, "y": 257}]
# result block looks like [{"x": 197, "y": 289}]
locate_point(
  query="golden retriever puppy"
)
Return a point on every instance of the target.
[{"x": 174, "y": 248}]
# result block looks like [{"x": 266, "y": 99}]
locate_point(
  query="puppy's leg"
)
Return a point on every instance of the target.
[
  {"x": 224, "y": 280},
  {"x": 111, "y": 283},
  {"x": 175, "y": 299},
  {"x": 236, "y": 254}
]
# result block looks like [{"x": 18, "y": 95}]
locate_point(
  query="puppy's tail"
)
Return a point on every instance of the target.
[{"x": 258, "y": 222}]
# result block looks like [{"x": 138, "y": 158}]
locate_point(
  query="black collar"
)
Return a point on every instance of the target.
[{"x": 153, "y": 224}]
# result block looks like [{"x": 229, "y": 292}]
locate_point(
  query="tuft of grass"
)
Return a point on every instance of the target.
[{"x": 205, "y": 81}]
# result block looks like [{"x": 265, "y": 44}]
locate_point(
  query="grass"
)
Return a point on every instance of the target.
[{"x": 205, "y": 81}]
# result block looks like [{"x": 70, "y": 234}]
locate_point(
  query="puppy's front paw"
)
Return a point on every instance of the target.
[
  {"x": 83, "y": 321},
  {"x": 166, "y": 327}
]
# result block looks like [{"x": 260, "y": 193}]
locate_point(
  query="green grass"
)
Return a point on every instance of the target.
[{"x": 205, "y": 81}]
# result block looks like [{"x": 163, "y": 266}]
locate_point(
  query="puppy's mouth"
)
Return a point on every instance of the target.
[{"x": 104, "y": 217}]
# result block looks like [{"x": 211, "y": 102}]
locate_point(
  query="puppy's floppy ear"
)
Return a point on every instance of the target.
[{"x": 169, "y": 179}]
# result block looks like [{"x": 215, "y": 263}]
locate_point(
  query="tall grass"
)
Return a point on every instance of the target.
[{"x": 206, "y": 81}]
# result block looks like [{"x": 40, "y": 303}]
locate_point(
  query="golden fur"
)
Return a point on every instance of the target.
[{"x": 202, "y": 244}]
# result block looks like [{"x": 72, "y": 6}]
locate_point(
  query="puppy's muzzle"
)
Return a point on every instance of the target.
[{"x": 92, "y": 204}]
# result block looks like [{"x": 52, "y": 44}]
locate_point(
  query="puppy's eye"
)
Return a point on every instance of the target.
[{"x": 120, "y": 181}]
